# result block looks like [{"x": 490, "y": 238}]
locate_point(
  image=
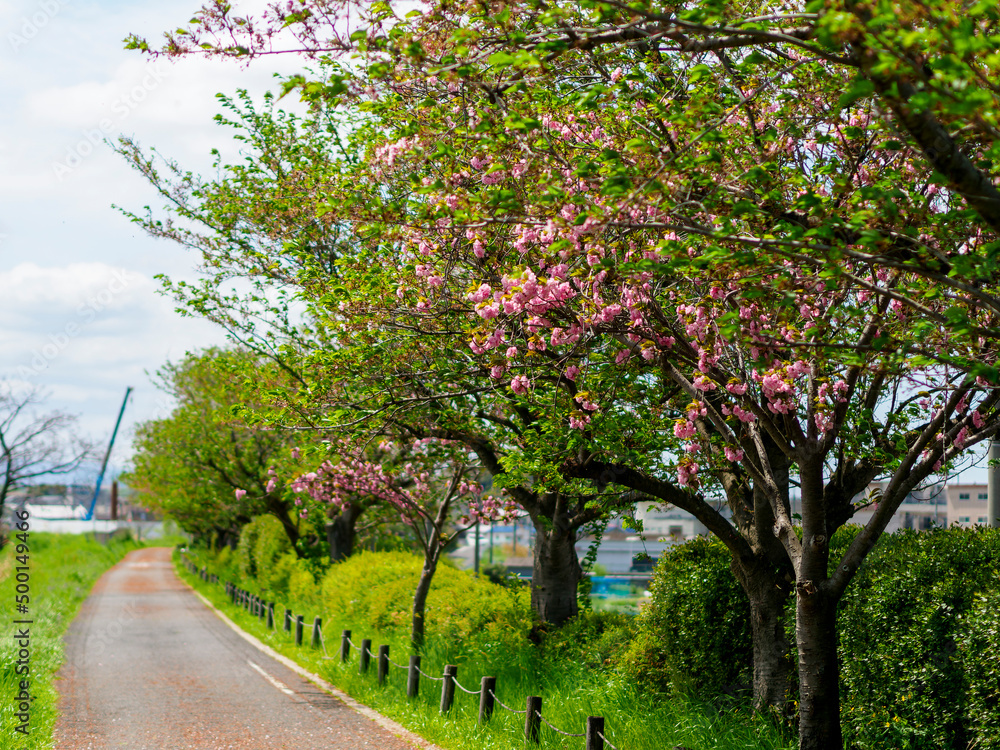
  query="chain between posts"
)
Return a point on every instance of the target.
[
  {"x": 606, "y": 741},
  {"x": 465, "y": 689},
  {"x": 554, "y": 728},
  {"x": 322, "y": 642},
  {"x": 504, "y": 705},
  {"x": 430, "y": 677}
]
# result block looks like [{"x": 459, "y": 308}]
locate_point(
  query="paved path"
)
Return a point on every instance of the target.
[{"x": 149, "y": 667}]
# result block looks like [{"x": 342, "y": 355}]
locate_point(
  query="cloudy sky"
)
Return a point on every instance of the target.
[{"x": 79, "y": 310}]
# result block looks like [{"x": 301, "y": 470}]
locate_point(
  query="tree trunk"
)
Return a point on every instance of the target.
[
  {"x": 420, "y": 601},
  {"x": 283, "y": 512},
  {"x": 340, "y": 532},
  {"x": 555, "y": 572},
  {"x": 819, "y": 671},
  {"x": 772, "y": 664},
  {"x": 816, "y": 619}
]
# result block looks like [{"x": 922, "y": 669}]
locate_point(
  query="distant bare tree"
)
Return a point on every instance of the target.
[{"x": 34, "y": 443}]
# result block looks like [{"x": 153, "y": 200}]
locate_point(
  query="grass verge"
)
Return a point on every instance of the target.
[
  {"x": 62, "y": 570},
  {"x": 635, "y": 719}
]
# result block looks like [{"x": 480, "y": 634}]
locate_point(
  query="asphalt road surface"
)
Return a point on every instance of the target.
[{"x": 149, "y": 667}]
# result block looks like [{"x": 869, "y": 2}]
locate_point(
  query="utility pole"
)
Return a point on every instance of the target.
[
  {"x": 476, "y": 563},
  {"x": 993, "y": 485}
]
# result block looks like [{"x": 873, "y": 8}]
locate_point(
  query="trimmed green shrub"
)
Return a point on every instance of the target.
[
  {"x": 270, "y": 546},
  {"x": 376, "y": 589},
  {"x": 245, "y": 561},
  {"x": 903, "y": 681},
  {"x": 919, "y": 636},
  {"x": 225, "y": 563},
  {"x": 979, "y": 653},
  {"x": 694, "y": 632}
]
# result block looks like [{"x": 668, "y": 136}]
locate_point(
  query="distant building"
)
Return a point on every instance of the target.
[
  {"x": 967, "y": 504},
  {"x": 621, "y": 551},
  {"x": 938, "y": 505},
  {"x": 670, "y": 523}
]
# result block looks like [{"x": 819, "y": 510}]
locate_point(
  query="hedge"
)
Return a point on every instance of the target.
[{"x": 919, "y": 636}]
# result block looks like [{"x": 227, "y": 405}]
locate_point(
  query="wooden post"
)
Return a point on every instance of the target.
[
  {"x": 345, "y": 645},
  {"x": 288, "y": 620},
  {"x": 317, "y": 637},
  {"x": 448, "y": 687},
  {"x": 486, "y": 700},
  {"x": 383, "y": 664},
  {"x": 263, "y": 609},
  {"x": 270, "y": 616},
  {"x": 298, "y": 630},
  {"x": 413, "y": 677},
  {"x": 533, "y": 719},
  {"x": 595, "y": 733},
  {"x": 366, "y": 653}
]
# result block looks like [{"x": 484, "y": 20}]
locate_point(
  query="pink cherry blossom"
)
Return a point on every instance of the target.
[{"x": 520, "y": 384}]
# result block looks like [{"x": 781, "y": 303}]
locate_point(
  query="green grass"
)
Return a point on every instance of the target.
[
  {"x": 571, "y": 691},
  {"x": 63, "y": 568}
]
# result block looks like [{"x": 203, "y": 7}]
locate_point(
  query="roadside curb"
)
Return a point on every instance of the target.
[{"x": 386, "y": 723}]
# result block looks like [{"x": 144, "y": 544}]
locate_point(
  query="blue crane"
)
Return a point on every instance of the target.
[{"x": 107, "y": 455}]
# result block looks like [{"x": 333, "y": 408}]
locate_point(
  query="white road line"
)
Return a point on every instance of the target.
[
  {"x": 388, "y": 724},
  {"x": 277, "y": 683}
]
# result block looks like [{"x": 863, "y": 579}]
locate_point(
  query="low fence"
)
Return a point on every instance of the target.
[{"x": 294, "y": 625}]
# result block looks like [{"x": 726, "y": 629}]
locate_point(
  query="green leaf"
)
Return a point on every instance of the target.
[
  {"x": 859, "y": 88},
  {"x": 502, "y": 59}
]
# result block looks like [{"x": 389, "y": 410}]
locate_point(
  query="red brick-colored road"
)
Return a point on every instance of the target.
[{"x": 149, "y": 667}]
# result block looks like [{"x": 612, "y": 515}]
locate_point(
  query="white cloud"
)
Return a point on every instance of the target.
[
  {"x": 86, "y": 330},
  {"x": 61, "y": 243}
]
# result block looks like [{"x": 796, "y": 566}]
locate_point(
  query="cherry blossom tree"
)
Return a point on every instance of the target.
[
  {"x": 691, "y": 251},
  {"x": 433, "y": 489},
  {"x": 365, "y": 367}
]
